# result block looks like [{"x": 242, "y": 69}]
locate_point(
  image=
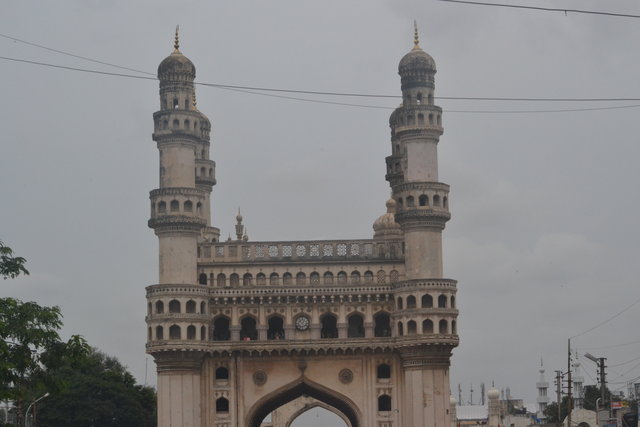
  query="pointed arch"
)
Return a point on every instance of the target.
[
  {"x": 313, "y": 405},
  {"x": 304, "y": 386}
]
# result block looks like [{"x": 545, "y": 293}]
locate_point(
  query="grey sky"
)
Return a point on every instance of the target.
[{"x": 544, "y": 239}]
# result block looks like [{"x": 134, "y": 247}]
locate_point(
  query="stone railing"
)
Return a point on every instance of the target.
[{"x": 313, "y": 250}]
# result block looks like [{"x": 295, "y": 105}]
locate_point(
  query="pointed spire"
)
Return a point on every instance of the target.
[
  {"x": 176, "y": 41},
  {"x": 416, "y": 37},
  {"x": 239, "y": 226}
]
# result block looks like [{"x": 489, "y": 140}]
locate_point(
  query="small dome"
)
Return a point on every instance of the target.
[
  {"x": 417, "y": 59},
  {"x": 386, "y": 225},
  {"x": 493, "y": 393},
  {"x": 176, "y": 63}
]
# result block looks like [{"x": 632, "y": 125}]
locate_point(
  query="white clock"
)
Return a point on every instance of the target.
[{"x": 302, "y": 323}]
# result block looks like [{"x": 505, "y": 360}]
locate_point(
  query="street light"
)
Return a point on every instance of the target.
[
  {"x": 26, "y": 414},
  {"x": 591, "y": 357}
]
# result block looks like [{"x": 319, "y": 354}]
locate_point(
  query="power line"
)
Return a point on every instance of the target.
[
  {"x": 241, "y": 89},
  {"x": 545, "y": 9},
  {"x": 612, "y": 346},
  {"x": 608, "y": 320},
  {"x": 624, "y": 363}
]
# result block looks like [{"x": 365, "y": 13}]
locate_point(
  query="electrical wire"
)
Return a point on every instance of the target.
[
  {"x": 604, "y": 322},
  {"x": 241, "y": 89},
  {"x": 624, "y": 344},
  {"x": 545, "y": 9},
  {"x": 624, "y": 363}
]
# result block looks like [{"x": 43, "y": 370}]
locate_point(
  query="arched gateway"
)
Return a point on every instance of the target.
[{"x": 363, "y": 327}]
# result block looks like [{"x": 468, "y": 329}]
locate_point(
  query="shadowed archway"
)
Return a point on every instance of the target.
[{"x": 337, "y": 402}]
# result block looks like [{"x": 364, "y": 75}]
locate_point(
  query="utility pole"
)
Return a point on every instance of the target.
[
  {"x": 569, "y": 386},
  {"x": 603, "y": 381},
  {"x": 559, "y": 394}
]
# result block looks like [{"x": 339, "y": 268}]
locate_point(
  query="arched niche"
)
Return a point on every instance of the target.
[{"x": 338, "y": 403}]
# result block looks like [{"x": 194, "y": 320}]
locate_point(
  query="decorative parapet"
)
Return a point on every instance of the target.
[
  {"x": 313, "y": 250},
  {"x": 425, "y": 284}
]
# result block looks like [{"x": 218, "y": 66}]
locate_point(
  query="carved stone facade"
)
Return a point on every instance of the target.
[{"x": 362, "y": 327}]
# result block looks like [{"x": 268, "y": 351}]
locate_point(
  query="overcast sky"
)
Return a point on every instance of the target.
[{"x": 544, "y": 239}]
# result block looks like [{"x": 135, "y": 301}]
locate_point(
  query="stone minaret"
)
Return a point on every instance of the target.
[
  {"x": 493, "y": 413},
  {"x": 422, "y": 211},
  {"x": 543, "y": 399},
  {"x": 180, "y": 216}
]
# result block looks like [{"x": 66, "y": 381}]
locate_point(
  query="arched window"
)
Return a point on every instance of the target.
[
  {"x": 162, "y": 207},
  {"x": 445, "y": 202},
  {"x": 423, "y": 200},
  {"x": 188, "y": 206},
  {"x": 442, "y": 301},
  {"x": 276, "y": 328},
  {"x": 436, "y": 200},
  {"x": 174, "y": 306},
  {"x": 273, "y": 279},
  {"x": 176, "y": 124},
  {"x": 427, "y": 326},
  {"x": 419, "y": 98},
  {"x": 427, "y": 301},
  {"x": 400, "y": 203},
  {"x": 149, "y": 334},
  {"x": 261, "y": 279},
  {"x": 174, "y": 332},
  {"x": 174, "y": 206},
  {"x": 410, "y": 202},
  {"x": 165, "y": 124},
  {"x": 383, "y": 371},
  {"x": 221, "y": 329},
  {"x": 430, "y": 99},
  {"x": 420, "y": 119},
  {"x": 159, "y": 333},
  {"x": 342, "y": 278},
  {"x": 384, "y": 403},
  {"x": 314, "y": 278},
  {"x": 234, "y": 279},
  {"x": 393, "y": 274},
  {"x": 355, "y": 277},
  {"x": 203, "y": 333},
  {"x": 202, "y": 279},
  {"x": 203, "y": 307},
  {"x": 368, "y": 276},
  {"x": 301, "y": 279},
  {"x": 442, "y": 327},
  {"x": 328, "y": 278},
  {"x": 159, "y": 307},
  {"x": 191, "y": 332},
  {"x": 329, "y": 327},
  {"x": 149, "y": 309},
  {"x": 453, "y": 301},
  {"x": 411, "y": 327},
  {"x": 199, "y": 208},
  {"x": 222, "y": 406},
  {"x": 287, "y": 278},
  {"x": 246, "y": 279},
  {"x": 399, "y": 303},
  {"x": 222, "y": 280},
  {"x": 187, "y": 124},
  {"x": 202, "y": 172},
  {"x": 222, "y": 373},
  {"x": 175, "y": 103},
  {"x": 454, "y": 329},
  {"x": 400, "y": 329},
  {"x": 190, "y": 306},
  {"x": 411, "y": 301},
  {"x": 355, "y": 326},
  {"x": 186, "y": 107},
  {"x": 164, "y": 104},
  {"x": 248, "y": 331},
  {"x": 382, "y": 325},
  {"x": 439, "y": 120},
  {"x": 381, "y": 277}
]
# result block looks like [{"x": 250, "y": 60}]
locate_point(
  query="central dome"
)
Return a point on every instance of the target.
[{"x": 416, "y": 59}]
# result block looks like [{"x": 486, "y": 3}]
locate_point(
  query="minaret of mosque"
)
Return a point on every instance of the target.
[
  {"x": 543, "y": 399},
  {"x": 180, "y": 207},
  {"x": 578, "y": 385},
  {"x": 425, "y": 316}
]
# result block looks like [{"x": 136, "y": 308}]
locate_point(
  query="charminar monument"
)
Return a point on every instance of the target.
[{"x": 363, "y": 328}]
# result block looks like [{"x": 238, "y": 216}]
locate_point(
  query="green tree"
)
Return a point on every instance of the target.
[
  {"x": 30, "y": 348},
  {"x": 98, "y": 392},
  {"x": 551, "y": 411},
  {"x": 10, "y": 266}
]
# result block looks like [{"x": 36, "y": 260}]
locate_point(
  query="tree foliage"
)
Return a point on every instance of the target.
[
  {"x": 11, "y": 266},
  {"x": 98, "y": 392}
]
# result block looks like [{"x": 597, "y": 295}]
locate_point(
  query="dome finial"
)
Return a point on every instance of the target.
[
  {"x": 416, "y": 37},
  {"x": 176, "y": 41}
]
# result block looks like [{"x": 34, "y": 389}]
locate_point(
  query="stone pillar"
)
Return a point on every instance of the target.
[{"x": 179, "y": 388}]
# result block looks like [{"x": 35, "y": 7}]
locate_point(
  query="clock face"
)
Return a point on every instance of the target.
[{"x": 302, "y": 323}]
